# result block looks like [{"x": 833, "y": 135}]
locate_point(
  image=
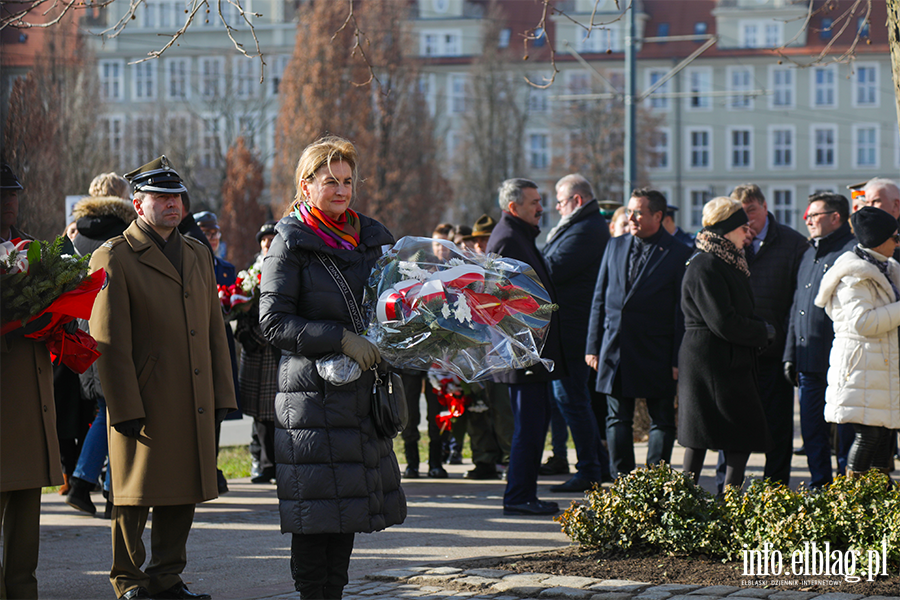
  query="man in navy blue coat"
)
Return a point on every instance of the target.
[
  {"x": 529, "y": 388},
  {"x": 636, "y": 328},
  {"x": 573, "y": 253}
]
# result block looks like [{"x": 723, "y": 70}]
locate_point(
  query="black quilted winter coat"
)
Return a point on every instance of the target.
[{"x": 334, "y": 474}]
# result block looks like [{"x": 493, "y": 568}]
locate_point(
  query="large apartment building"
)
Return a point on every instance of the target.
[{"x": 737, "y": 112}]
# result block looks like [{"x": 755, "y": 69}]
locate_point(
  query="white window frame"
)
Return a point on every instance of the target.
[
  {"x": 601, "y": 39},
  {"x": 151, "y": 124},
  {"x": 790, "y": 87},
  {"x": 218, "y": 79},
  {"x": 245, "y": 77},
  {"x": 739, "y": 102},
  {"x": 279, "y": 65},
  {"x": 654, "y": 102},
  {"x": 183, "y": 66},
  {"x": 731, "y": 148},
  {"x": 209, "y": 159},
  {"x": 547, "y": 150},
  {"x": 689, "y": 148},
  {"x": 538, "y": 99},
  {"x": 695, "y": 211},
  {"x": 857, "y": 127},
  {"x": 115, "y": 146},
  {"x": 779, "y": 209},
  {"x": 457, "y": 101},
  {"x": 116, "y": 80},
  {"x": 814, "y": 146},
  {"x": 664, "y": 149},
  {"x": 144, "y": 81},
  {"x": 428, "y": 87},
  {"x": 705, "y": 103},
  {"x": 814, "y": 87},
  {"x": 769, "y": 33},
  {"x": 793, "y": 147},
  {"x": 442, "y": 44},
  {"x": 873, "y": 85}
]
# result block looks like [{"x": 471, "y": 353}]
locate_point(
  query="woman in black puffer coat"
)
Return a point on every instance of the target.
[{"x": 335, "y": 475}]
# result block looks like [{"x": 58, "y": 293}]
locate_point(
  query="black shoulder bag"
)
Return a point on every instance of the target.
[{"x": 389, "y": 411}]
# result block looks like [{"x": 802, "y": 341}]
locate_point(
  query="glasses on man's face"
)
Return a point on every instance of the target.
[
  {"x": 896, "y": 237},
  {"x": 561, "y": 202},
  {"x": 812, "y": 216},
  {"x": 211, "y": 233},
  {"x": 636, "y": 213}
]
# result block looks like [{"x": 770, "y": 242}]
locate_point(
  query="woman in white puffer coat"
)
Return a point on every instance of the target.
[{"x": 861, "y": 295}]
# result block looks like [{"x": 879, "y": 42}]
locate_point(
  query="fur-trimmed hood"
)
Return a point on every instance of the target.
[
  {"x": 104, "y": 206},
  {"x": 856, "y": 269}
]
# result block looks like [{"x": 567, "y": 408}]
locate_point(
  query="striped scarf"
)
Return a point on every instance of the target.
[{"x": 340, "y": 233}]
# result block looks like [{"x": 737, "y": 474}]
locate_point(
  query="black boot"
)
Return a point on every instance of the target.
[{"x": 79, "y": 496}]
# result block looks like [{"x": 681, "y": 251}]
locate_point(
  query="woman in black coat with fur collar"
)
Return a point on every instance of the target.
[{"x": 719, "y": 404}]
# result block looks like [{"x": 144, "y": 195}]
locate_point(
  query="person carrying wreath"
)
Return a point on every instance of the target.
[
  {"x": 719, "y": 403},
  {"x": 336, "y": 477}
]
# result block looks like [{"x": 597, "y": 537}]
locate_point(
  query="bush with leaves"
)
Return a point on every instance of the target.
[{"x": 659, "y": 510}]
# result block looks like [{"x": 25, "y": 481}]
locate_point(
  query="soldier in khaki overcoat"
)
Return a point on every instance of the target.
[
  {"x": 29, "y": 448},
  {"x": 166, "y": 374}
]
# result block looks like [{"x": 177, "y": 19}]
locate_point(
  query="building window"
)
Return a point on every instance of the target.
[
  {"x": 158, "y": 14},
  {"x": 246, "y": 77},
  {"x": 700, "y": 28},
  {"x": 750, "y": 35},
  {"x": 740, "y": 79},
  {"x": 865, "y": 150},
  {"x": 142, "y": 138},
  {"x": 698, "y": 199},
  {"x": 760, "y": 34},
  {"x": 278, "y": 67},
  {"x": 538, "y": 150},
  {"x": 441, "y": 43},
  {"x": 863, "y": 26},
  {"x": 741, "y": 148},
  {"x": 458, "y": 93},
  {"x": 657, "y": 103},
  {"x": 602, "y": 39},
  {"x": 111, "y": 87},
  {"x": 538, "y": 98},
  {"x": 178, "y": 130},
  {"x": 662, "y": 30},
  {"x": 144, "y": 79},
  {"x": 782, "y": 140},
  {"x": 503, "y": 39},
  {"x": 660, "y": 150},
  {"x": 178, "y": 78},
  {"x": 700, "y": 82},
  {"x": 826, "y": 30},
  {"x": 825, "y": 144},
  {"x": 700, "y": 141},
  {"x": 781, "y": 82},
  {"x": 113, "y": 129},
  {"x": 866, "y": 85},
  {"x": 212, "y": 76},
  {"x": 783, "y": 205},
  {"x": 210, "y": 142},
  {"x": 427, "y": 89},
  {"x": 824, "y": 89}
]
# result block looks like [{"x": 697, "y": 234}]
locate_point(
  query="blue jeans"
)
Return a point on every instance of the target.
[
  {"x": 531, "y": 413},
  {"x": 574, "y": 401},
  {"x": 620, "y": 434},
  {"x": 95, "y": 449}
]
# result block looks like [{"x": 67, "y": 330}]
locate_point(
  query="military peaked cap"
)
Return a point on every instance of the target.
[
  {"x": 156, "y": 176},
  {"x": 8, "y": 179}
]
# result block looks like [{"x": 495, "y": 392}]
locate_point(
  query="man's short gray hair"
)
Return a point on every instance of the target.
[
  {"x": 576, "y": 184},
  {"x": 880, "y": 182},
  {"x": 512, "y": 190}
]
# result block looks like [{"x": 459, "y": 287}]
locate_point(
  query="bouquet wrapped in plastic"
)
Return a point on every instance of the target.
[{"x": 472, "y": 315}]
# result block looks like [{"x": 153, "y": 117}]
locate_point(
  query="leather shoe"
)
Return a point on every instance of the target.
[
  {"x": 180, "y": 591},
  {"x": 575, "y": 484},
  {"x": 483, "y": 471},
  {"x": 537, "y": 507},
  {"x": 266, "y": 475},
  {"x": 555, "y": 465},
  {"x": 438, "y": 473},
  {"x": 411, "y": 473},
  {"x": 136, "y": 592}
]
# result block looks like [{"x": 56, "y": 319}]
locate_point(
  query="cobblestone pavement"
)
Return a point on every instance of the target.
[{"x": 433, "y": 583}]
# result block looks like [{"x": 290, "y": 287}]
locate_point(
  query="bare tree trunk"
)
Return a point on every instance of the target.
[{"x": 893, "y": 25}]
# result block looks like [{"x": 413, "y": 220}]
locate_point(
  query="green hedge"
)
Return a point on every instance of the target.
[{"x": 659, "y": 510}]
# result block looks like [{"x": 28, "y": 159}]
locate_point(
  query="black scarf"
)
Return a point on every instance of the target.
[{"x": 719, "y": 245}]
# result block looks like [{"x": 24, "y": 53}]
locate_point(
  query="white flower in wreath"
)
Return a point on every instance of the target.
[
  {"x": 445, "y": 311},
  {"x": 462, "y": 313},
  {"x": 411, "y": 270}
]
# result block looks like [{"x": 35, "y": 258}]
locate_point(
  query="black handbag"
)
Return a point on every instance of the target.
[{"x": 389, "y": 411}]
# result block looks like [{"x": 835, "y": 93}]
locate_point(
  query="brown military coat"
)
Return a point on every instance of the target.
[
  {"x": 165, "y": 360},
  {"x": 29, "y": 448}
]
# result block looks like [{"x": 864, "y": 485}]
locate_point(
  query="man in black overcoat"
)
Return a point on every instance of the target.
[
  {"x": 635, "y": 330},
  {"x": 529, "y": 388},
  {"x": 573, "y": 253}
]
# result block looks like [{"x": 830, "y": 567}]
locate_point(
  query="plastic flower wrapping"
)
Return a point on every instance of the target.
[
  {"x": 238, "y": 297},
  {"x": 471, "y": 314}
]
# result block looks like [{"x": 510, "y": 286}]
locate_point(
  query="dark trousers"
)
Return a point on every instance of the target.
[
  {"x": 491, "y": 431},
  {"x": 20, "y": 520},
  {"x": 412, "y": 387},
  {"x": 262, "y": 445},
  {"x": 620, "y": 433},
  {"x": 531, "y": 413},
  {"x": 574, "y": 401},
  {"x": 168, "y": 547},
  {"x": 320, "y": 563}
]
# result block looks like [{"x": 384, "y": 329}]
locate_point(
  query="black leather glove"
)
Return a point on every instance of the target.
[
  {"x": 790, "y": 373},
  {"x": 770, "y": 333},
  {"x": 130, "y": 428},
  {"x": 221, "y": 413},
  {"x": 31, "y": 326}
]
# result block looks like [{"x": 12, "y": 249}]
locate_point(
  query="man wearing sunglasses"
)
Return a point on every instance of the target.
[{"x": 810, "y": 332}]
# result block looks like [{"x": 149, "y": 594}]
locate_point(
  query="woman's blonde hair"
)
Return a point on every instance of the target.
[
  {"x": 719, "y": 209},
  {"x": 109, "y": 184},
  {"x": 322, "y": 152}
]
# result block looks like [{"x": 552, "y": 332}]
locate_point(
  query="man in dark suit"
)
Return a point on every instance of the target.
[
  {"x": 529, "y": 388},
  {"x": 573, "y": 254},
  {"x": 636, "y": 328}
]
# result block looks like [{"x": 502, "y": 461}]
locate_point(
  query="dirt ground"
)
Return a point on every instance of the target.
[{"x": 573, "y": 561}]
